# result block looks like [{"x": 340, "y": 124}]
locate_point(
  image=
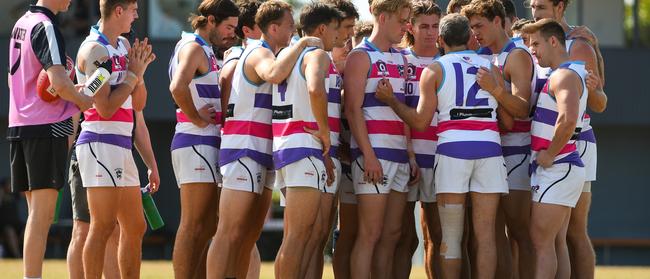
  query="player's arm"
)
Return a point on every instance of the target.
[
  {"x": 75, "y": 128},
  {"x": 107, "y": 101},
  {"x": 354, "y": 84},
  {"x": 143, "y": 145},
  {"x": 419, "y": 118},
  {"x": 582, "y": 51},
  {"x": 506, "y": 120},
  {"x": 273, "y": 70},
  {"x": 519, "y": 69},
  {"x": 47, "y": 44},
  {"x": 225, "y": 83},
  {"x": 565, "y": 87},
  {"x": 190, "y": 60},
  {"x": 583, "y": 32},
  {"x": 139, "y": 94},
  {"x": 316, "y": 65}
]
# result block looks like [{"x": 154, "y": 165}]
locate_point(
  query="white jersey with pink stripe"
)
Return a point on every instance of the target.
[
  {"x": 116, "y": 130},
  {"x": 204, "y": 90},
  {"x": 247, "y": 131},
  {"x": 517, "y": 140},
  {"x": 291, "y": 114},
  {"x": 545, "y": 118},
  {"x": 467, "y": 118},
  {"x": 424, "y": 143},
  {"x": 385, "y": 128},
  {"x": 333, "y": 84}
]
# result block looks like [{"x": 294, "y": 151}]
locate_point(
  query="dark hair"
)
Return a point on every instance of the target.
[
  {"x": 421, "y": 7},
  {"x": 345, "y": 6},
  {"x": 362, "y": 29},
  {"x": 219, "y": 9},
  {"x": 511, "y": 10},
  {"x": 547, "y": 28},
  {"x": 518, "y": 25},
  {"x": 557, "y": 2},
  {"x": 106, "y": 7},
  {"x": 456, "y": 5},
  {"x": 247, "y": 12},
  {"x": 485, "y": 8},
  {"x": 271, "y": 12},
  {"x": 315, "y": 14},
  {"x": 454, "y": 30}
]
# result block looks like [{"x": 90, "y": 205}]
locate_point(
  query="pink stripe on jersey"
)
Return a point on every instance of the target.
[
  {"x": 295, "y": 127},
  {"x": 335, "y": 124},
  {"x": 467, "y": 125},
  {"x": 521, "y": 126},
  {"x": 256, "y": 129},
  {"x": 182, "y": 118},
  {"x": 386, "y": 127},
  {"x": 431, "y": 133},
  {"x": 537, "y": 144},
  {"x": 121, "y": 115}
]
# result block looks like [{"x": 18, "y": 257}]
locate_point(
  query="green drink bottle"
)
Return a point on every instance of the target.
[
  {"x": 57, "y": 207},
  {"x": 150, "y": 210}
]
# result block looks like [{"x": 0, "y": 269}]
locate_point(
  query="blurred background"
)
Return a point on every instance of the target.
[{"x": 620, "y": 216}]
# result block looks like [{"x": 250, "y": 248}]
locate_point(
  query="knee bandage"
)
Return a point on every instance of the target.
[
  {"x": 452, "y": 217},
  {"x": 587, "y": 187}
]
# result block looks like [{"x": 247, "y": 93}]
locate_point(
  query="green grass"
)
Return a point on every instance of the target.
[{"x": 163, "y": 269}]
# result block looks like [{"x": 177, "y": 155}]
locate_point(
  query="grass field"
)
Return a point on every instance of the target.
[{"x": 54, "y": 269}]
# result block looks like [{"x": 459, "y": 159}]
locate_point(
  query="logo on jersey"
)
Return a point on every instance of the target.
[
  {"x": 384, "y": 180},
  {"x": 400, "y": 68},
  {"x": 535, "y": 188},
  {"x": 381, "y": 68},
  {"x": 259, "y": 177},
  {"x": 214, "y": 66},
  {"x": 323, "y": 176},
  {"x": 411, "y": 72},
  {"x": 118, "y": 173}
]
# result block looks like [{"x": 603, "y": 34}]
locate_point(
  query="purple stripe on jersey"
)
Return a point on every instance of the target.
[
  {"x": 510, "y": 46},
  {"x": 412, "y": 101},
  {"x": 263, "y": 100},
  {"x": 208, "y": 91},
  {"x": 181, "y": 140},
  {"x": 539, "y": 84},
  {"x": 484, "y": 51},
  {"x": 334, "y": 96},
  {"x": 425, "y": 161},
  {"x": 388, "y": 154},
  {"x": 229, "y": 155},
  {"x": 470, "y": 150},
  {"x": 515, "y": 150},
  {"x": 545, "y": 116},
  {"x": 101, "y": 39},
  {"x": 573, "y": 159},
  {"x": 588, "y": 136},
  {"x": 287, "y": 156},
  {"x": 119, "y": 140},
  {"x": 334, "y": 151},
  {"x": 369, "y": 100}
]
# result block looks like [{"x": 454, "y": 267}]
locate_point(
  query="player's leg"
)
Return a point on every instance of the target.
[
  {"x": 504, "y": 257},
  {"x": 314, "y": 267},
  {"x": 254, "y": 264},
  {"x": 406, "y": 245},
  {"x": 130, "y": 216},
  {"x": 451, "y": 210},
  {"x": 248, "y": 259},
  {"x": 433, "y": 236},
  {"x": 74, "y": 257},
  {"x": 484, "y": 211},
  {"x": 348, "y": 223},
  {"x": 546, "y": 223},
  {"x": 111, "y": 264},
  {"x": 562, "y": 251},
  {"x": 370, "y": 215},
  {"x": 516, "y": 206},
  {"x": 199, "y": 202},
  {"x": 582, "y": 251},
  {"x": 103, "y": 203}
]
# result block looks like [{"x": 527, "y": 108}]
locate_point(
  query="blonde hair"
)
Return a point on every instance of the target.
[{"x": 388, "y": 6}]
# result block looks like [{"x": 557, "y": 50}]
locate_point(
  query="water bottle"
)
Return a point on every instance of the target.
[
  {"x": 57, "y": 207},
  {"x": 150, "y": 210},
  {"x": 100, "y": 77}
]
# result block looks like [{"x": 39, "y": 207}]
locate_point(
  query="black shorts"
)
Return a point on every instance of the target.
[
  {"x": 38, "y": 163},
  {"x": 80, "y": 209}
]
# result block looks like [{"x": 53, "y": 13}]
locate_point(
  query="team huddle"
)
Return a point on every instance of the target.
[{"x": 478, "y": 115}]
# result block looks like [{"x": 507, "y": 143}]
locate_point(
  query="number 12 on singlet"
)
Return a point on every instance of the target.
[{"x": 471, "y": 100}]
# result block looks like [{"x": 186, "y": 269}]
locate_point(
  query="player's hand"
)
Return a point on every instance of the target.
[
  {"x": 154, "y": 180},
  {"x": 384, "y": 91},
  {"x": 414, "y": 176},
  {"x": 140, "y": 56},
  {"x": 329, "y": 168},
  {"x": 323, "y": 136},
  {"x": 583, "y": 32},
  {"x": 208, "y": 116},
  {"x": 84, "y": 102},
  {"x": 544, "y": 159},
  {"x": 373, "y": 173},
  {"x": 309, "y": 41},
  {"x": 593, "y": 81},
  {"x": 489, "y": 79}
]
